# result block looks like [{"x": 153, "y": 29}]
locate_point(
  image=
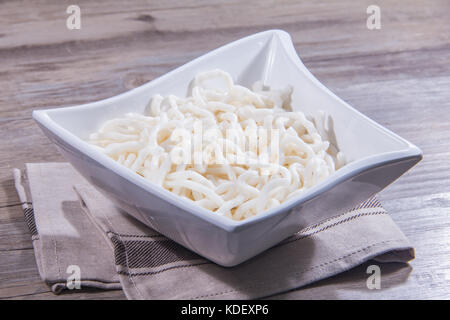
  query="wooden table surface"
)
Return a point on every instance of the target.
[{"x": 398, "y": 75}]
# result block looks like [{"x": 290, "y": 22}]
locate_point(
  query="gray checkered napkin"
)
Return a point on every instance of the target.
[{"x": 76, "y": 230}]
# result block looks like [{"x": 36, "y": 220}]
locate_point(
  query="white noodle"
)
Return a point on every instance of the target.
[{"x": 226, "y": 185}]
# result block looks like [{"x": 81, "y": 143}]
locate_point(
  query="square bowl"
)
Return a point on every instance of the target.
[{"x": 376, "y": 156}]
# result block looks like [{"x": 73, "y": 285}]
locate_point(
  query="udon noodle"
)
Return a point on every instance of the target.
[{"x": 232, "y": 150}]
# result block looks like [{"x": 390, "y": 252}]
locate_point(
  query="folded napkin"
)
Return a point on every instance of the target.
[{"x": 72, "y": 224}]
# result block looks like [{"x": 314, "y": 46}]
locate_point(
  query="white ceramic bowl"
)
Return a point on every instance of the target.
[{"x": 377, "y": 156}]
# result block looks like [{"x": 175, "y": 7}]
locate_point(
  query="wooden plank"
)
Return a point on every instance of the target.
[
  {"x": 102, "y": 68},
  {"x": 14, "y": 236},
  {"x": 398, "y": 282},
  {"x": 38, "y": 290},
  {"x": 17, "y": 266},
  {"x": 82, "y": 294},
  {"x": 304, "y": 17}
]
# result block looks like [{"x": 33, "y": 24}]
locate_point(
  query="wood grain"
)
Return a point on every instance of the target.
[{"x": 398, "y": 76}]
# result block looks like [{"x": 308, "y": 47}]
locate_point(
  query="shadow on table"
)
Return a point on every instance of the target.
[{"x": 352, "y": 284}]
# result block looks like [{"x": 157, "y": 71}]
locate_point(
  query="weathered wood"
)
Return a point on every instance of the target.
[{"x": 398, "y": 76}]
